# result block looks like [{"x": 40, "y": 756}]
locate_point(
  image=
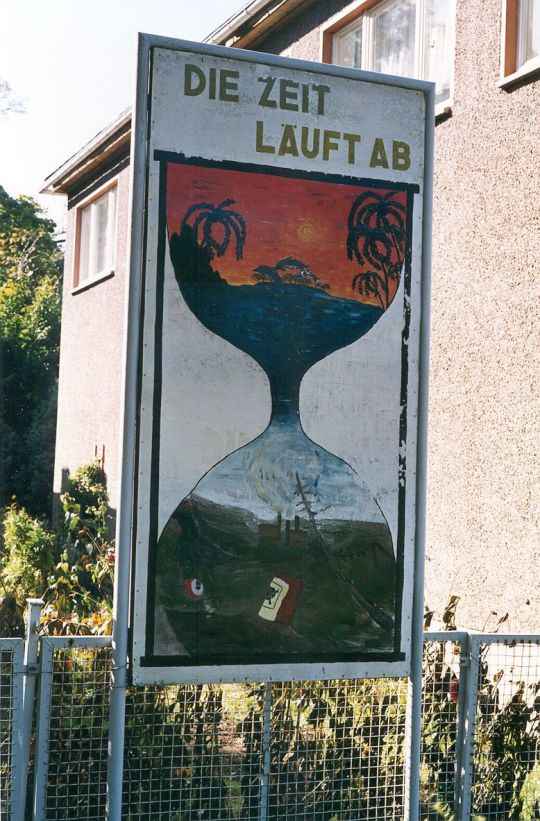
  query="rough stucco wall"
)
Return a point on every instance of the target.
[
  {"x": 90, "y": 383},
  {"x": 483, "y": 489}
]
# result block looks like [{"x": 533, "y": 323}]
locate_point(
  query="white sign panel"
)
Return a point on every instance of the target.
[{"x": 275, "y": 510}]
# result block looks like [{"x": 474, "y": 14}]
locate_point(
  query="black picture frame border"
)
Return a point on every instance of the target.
[{"x": 149, "y": 659}]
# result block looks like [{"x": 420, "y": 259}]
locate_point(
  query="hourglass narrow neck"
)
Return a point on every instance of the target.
[{"x": 285, "y": 400}]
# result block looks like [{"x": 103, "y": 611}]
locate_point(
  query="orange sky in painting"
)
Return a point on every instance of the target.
[{"x": 285, "y": 216}]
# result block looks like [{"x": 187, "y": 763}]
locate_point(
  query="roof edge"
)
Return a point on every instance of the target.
[
  {"x": 254, "y": 22},
  {"x": 228, "y": 29},
  {"x": 244, "y": 28},
  {"x": 106, "y": 142}
]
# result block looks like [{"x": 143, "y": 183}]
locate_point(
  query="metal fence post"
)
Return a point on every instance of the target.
[
  {"x": 12, "y": 793},
  {"x": 267, "y": 757},
  {"x": 42, "y": 731},
  {"x": 468, "y": 718},
  {"x": 462, "y": 708},
  {"x": 21, "y": 756},
  {"x": 412, "y": 746}
]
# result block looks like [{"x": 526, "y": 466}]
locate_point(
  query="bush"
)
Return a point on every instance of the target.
[
  {"x": 11, "y": 618},
  {"x": 81, "y": 586},
  {"x": 27, "y": 555}
]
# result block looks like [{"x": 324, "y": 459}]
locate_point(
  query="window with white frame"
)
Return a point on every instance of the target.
[
  {"x": 520, "y": 40},
  {"x": 411, "y": 38},
  {"x": 96, "y": 230},
  {"x": 528, "y": 32}
]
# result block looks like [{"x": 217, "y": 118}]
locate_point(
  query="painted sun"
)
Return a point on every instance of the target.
[{"x": 306, "y": 231}]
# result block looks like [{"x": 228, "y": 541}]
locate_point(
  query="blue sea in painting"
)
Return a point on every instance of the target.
[{"x": 286, "y": 328}]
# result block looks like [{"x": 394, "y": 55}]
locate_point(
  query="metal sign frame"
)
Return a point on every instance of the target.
[{"x": 127, "y": 512}]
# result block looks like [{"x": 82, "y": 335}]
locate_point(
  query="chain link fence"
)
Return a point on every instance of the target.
[
  {"x": 502, "y": 770},
  {"x": 72, "y": 728},
  {"x": 322, "y": 750},
  {"x": 444, "y": 688},
  {"x": 11, "y": 696}
]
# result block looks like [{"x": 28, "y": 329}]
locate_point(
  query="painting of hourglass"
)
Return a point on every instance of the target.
[{"x": 280, "y": 552}]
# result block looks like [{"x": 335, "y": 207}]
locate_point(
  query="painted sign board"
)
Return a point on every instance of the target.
[{"x": 275, "y": 501}]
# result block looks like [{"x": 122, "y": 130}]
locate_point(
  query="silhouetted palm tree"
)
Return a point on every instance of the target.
[
  {"x": 379, "y": 211},
  {"x": 209, "y": 217},
  {"x": 376, "y": 236},
  {"x": 370, "y": 283}
]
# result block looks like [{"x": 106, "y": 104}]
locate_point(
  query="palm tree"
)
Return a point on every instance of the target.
[
  {"x": 376, "y": 236},
  {"x": 209, "y": 217},
  {"x": 370, "y": 283}
]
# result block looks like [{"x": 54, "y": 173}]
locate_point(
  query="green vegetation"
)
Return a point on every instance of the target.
[
  {"x": 28, "y": 555},
  {"x": 336, "y": 749},
  {"x": 71, "y": 569},
  {"x": 79, "y": 596},
  {"x": 30, "y": 303}
]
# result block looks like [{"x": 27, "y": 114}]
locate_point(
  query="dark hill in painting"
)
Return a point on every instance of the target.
[{"x": 237, "y": 560}]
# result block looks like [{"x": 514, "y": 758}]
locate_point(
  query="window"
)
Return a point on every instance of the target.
[
  {"x": 96, "y": 232},
  {"x": 528, "y": 44},
  {"x": 411, "y": 38},
  {"x": 521, "y": 39}
]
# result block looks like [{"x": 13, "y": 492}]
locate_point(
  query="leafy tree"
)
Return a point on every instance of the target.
[
  {"x": 30, "y": 303},
  {"x": 376, "y": 238},
  {"x": 289, "y": 271},
  {"x": 218, "y": 224},
  {"x": 266, "y": 273}
]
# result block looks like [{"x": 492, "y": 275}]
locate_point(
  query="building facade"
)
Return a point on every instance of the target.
[{"x": 483, "y": 483}]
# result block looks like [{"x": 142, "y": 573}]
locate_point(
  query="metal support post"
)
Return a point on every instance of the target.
[
  {"x": 122, "y": 578},
  {"x": 414, "y": 702}
]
